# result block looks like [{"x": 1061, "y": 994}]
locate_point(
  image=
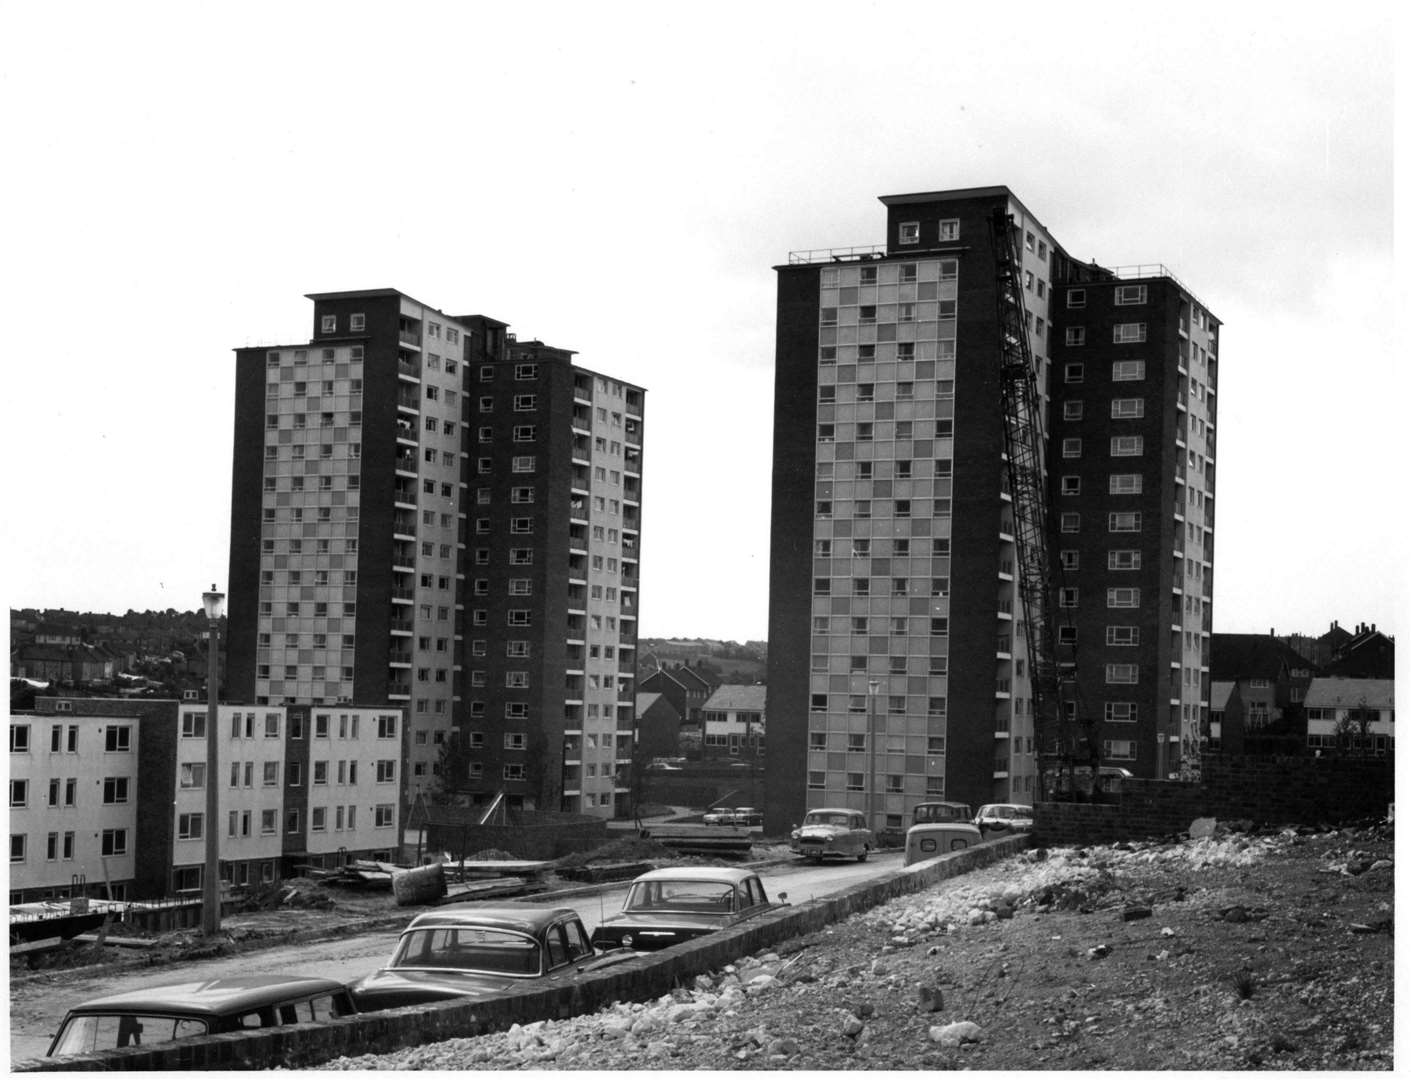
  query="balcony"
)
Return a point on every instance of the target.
[
  {"x": 399, "y": 690},
  {"x": 400, "y": 625},
  {"x": 404, "y": 524},
  {"x": 408, "y": 365},
  {"x": 400, "y": 658}
]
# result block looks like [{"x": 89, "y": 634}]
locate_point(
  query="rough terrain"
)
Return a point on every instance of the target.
[{"x": 1243, "y": 950}]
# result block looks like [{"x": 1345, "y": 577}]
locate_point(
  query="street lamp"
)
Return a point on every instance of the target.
[
  {"x": 210, "y": 880},
  {"x": 872, "y": 687}
]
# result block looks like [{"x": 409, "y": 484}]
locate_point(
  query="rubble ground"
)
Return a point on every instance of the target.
[{"x": 1243, "y": 950}]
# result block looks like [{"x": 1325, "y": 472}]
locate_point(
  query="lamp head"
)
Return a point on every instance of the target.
[{"x": 214, "y": 603}]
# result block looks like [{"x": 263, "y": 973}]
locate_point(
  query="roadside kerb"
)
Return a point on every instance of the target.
[{"x": 643, "y": 978}]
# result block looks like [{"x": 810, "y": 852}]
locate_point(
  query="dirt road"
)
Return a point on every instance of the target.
[{"x": 38, "y": 1002}]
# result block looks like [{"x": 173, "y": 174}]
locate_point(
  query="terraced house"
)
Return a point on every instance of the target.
[{"x": 898, "y": 669}]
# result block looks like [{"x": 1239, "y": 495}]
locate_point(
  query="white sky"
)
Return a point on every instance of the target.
[{"x": 620, "y": 179}]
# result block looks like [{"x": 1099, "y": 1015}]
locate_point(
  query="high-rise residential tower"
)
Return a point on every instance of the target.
[
  {"x": 898, "y": 669},
  {"x": 402, "y": 480}
]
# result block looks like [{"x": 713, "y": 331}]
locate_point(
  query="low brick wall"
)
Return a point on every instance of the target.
[
  {"x": 1267, "y": 791},
  {"x": 642, "y": 979}
]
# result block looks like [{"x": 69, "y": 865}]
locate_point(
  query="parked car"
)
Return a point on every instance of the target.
[
  {"x": 830, "y": 832},
  {"x": 666, "y": 907},
  {"x": 1004, "y": 816},
  {"x": 938, "y": 828},
  {"x": 480, "y": 950},
  {"x": 747, "y": 816},
  {"x": 928, "y": 812},
  {"x": 719, "y": 815},
  {"x": 187, "y": 1010}
]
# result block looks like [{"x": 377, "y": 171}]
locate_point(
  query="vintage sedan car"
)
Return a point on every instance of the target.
[
  {"x": 668, "y": 906},
  {"x": 481, "y": 950},
  {"x": 938, "y": 828},
  {"x": 747, "y": 816},
  {"x": 186, "y": 1010},
  {"x": 833, "y": 833},
  {"x": 1004, "y": 817},
  {"x": 719, "y": 815}
]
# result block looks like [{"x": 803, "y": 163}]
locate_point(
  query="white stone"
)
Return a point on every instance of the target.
[{"x": 962, "y": 1031}]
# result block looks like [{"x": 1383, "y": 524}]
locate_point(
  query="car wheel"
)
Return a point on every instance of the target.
[{"x": 862, "y": 855}]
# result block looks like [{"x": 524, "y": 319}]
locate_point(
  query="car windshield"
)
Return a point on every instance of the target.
[
  {"x": 929, "y": 812},
  {"x": 818, "y": 818},
  {"x": 111, "y": 1031},
  {"x": 468, "y": 949},
  {"x": 671, "y": 895}
]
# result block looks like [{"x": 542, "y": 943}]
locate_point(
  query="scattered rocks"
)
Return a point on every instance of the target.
[{"x": 1057, "y": 1008}]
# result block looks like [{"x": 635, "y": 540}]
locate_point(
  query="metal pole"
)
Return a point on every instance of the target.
[
  {"x": 210, "y": 879},
  {"x": 872, "y": 754}
]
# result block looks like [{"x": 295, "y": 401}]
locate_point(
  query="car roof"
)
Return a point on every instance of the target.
[
  {"x": 1009, "y": 805},
  {"x": 831, "y": 810},
  {"x": 213, "y": 997},
  {"x": 696, "y": 873},
  {"x": 523, "y": 918}
]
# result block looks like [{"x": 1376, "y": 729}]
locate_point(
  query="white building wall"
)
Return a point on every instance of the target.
[{"x": 63, "y": 796}]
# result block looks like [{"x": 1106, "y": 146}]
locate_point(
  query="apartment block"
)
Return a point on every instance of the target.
[
  {"x": 91, "y": 788},
  {"x": 409, "y": 488},
  {"x": 898, "y": 669},
  {"x": 110, "y": 795},
  {"x": 553, "y": 569},
  {"x": 1133, "y": 490}
]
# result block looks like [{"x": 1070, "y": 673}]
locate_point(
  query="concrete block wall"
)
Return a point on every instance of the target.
[
  {"x": 642, "y": 979},
  {"x": 1267, "y": 791}
]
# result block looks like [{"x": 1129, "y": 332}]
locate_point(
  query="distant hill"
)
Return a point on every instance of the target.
[{"x": 720, "y": 661}]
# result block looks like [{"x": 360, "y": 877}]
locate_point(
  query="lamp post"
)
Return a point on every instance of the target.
[
  {"x": 872, "y": 687},
  {"x": 210, "y": 879}
]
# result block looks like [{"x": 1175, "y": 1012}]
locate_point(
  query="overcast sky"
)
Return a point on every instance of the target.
[{"x": 620, "y": 180}]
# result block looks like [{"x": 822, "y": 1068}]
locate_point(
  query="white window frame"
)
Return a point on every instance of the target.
[
  {"x": 1131, "y": 333},
  {"x": 1124, "y": 521},
  {"x": 1125, "y": 596},
  {"x": 1128, "y": 370},
  {"x": 948, "y": 229},
  {"x": 1124, "y": 484},
  {"x": 1133, "y": 408},
  {"x": 1126, "y": 295},
  {"x": 909, "y": 232},
  {"x": 1124, "y": 559},
  {"x": 1125, "y": 446},
  {"x": 1120, "y": 637}
]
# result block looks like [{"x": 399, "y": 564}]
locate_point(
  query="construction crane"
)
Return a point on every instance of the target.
[{"x": 1063, "y": 731}]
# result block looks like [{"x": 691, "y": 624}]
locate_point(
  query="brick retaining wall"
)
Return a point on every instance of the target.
[
  {"x": 642, "y": 979},
  {"x": 1267, "y": 791}
]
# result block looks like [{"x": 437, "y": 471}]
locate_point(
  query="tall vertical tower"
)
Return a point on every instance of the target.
[
  {"x": 1133, "y": 484},
  {"x": 379, "y": 480},
  {"x": 898, "y": 668},
  {"x": 555, "y": 545}
]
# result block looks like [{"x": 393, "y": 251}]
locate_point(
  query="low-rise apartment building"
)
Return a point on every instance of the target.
[{"x": 108, "y": 794}]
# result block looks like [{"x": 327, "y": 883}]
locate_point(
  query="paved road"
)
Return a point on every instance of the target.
[{"x": 38, "y": 1005}]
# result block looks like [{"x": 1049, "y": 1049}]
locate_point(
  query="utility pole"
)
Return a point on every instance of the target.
[{"x": 872, "y": 688}]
